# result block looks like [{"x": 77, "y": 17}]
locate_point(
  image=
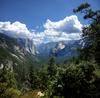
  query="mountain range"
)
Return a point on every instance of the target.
[
  {"x": 20, "y": 48},
  {"x": 21, "y": 53}
]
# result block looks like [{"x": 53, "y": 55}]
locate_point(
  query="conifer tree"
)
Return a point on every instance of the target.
[
  {"x": 91, "y": 33},
  {"x": 51, "y": 68},
  {"x": 7, "y": 83}
]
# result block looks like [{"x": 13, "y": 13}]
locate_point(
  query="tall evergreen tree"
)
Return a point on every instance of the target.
[
  {"x": 51, "y": 68},
  {"x": 91, "y": 33},
  {"x": 7, "y": 83},
  {"x": 34, "y": 79}
]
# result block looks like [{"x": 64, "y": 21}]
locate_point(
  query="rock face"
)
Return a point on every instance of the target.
[
  {"x": 28, "y": 45},
  {"x": 59, "y": 49},
  {"x": 17, "y": 54},
  {"x": 21, "y": 48},
  {"x": 66, "y": 49}
]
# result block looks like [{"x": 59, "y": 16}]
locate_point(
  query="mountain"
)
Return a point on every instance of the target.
[
  {"x": 60, "y": 50},
  {"x": 17, "y": 46},
  {"x": 18, "y": 54},
  {"x": 21, "y": 48},
  {"x": 21, "y": 53},
  {"x": 27, "y": 44},
  {"x": 65, "y": 49}
]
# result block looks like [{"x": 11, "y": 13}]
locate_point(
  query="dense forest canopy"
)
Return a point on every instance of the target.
[{"x": 78, "y": 77}]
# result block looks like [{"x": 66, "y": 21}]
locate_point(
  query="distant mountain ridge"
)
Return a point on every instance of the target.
[
  {"x": 21, "y": 47},
  {"x": 18, "y": 55},
  {"x": 61, "y": 50}
]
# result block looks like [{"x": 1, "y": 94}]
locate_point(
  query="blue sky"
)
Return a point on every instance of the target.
[
  {"x": 43, "y": 20},
  {"x": 34, "y": 13}
]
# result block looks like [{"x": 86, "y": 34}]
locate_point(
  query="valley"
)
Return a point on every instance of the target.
[{"x": 56, "y": 56}]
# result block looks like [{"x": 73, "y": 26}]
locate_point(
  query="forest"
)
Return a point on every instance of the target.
[{"x": 76, "y": 77}]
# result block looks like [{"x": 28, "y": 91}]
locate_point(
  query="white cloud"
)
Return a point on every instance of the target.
[
  {"x": 70, "y": 24},
  {"x": 67, "y": 29},
  {"x": 15, "y": 29}
]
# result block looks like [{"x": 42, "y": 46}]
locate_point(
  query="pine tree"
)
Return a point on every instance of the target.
[
  {"x": 91, "y": 33},
  {"x": 34, "y": 78},
  {"x": 8, "y": 86},
  {"x": 51, "y": 68}
]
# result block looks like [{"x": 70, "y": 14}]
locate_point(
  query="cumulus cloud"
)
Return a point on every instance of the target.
[
  {"x": 67, "y": 29},
  {"x": 69, "y": 25},
  {"x": 15, "y": 29}
]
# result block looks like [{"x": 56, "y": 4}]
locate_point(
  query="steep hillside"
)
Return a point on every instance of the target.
[
  {"x": 60, "y": 50},
  {"x": 19, "y": 54}
]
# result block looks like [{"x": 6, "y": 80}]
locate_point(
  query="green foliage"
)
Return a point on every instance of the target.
[
  {"x": 7, "y": 76},
  {"x": 12, "y": 93},
  {"x": 8, "y": 87},
  {"x": 32, "y": 78},
  {"x": 51, "y": 68},
  {"x": 91, "y": 36},
  {"x": 78, "y": 81},
  {"x": 37, "y": 79},
  {"x": 78, "y": 77},
  {"x": 81, "y": 7},
  {"x": 21, "y": 60}
]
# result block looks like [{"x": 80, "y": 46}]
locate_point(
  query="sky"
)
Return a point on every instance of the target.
[{"x": 43, "y": 18}]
